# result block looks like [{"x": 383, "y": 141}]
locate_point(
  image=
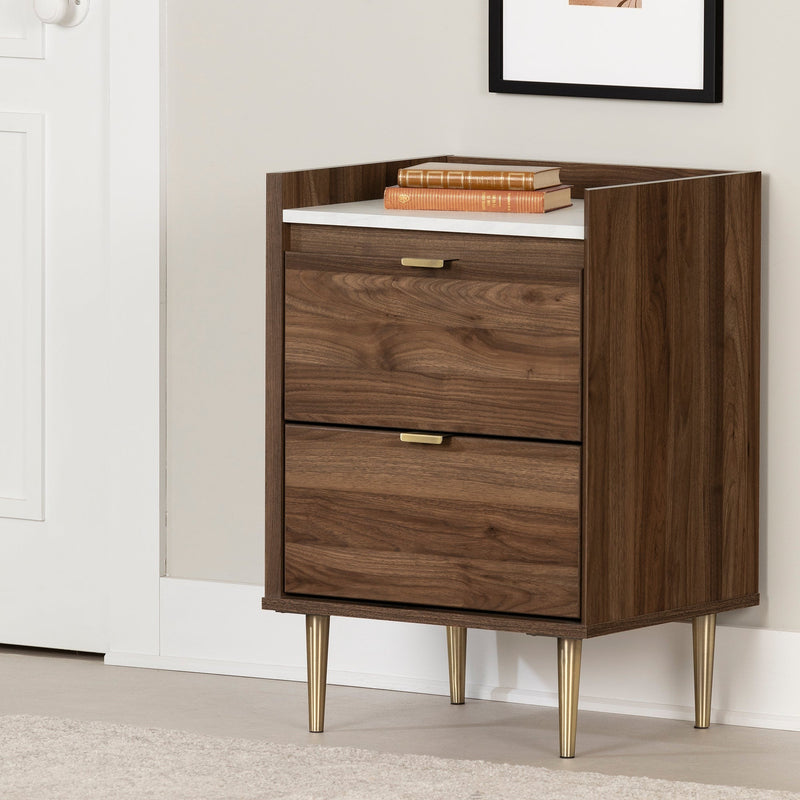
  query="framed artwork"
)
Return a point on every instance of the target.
[{"x": 632, "y": 49}]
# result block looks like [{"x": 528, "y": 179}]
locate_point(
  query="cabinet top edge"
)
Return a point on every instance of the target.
[
  {"x": 678, "y": 172},
  {"x": 711, "y": 175}
]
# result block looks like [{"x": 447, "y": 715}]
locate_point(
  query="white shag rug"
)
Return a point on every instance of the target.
[{"x": 43, "y": 758}]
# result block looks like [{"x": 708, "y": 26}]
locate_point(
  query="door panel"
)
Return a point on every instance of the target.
[
  {"x": 21, "y": 33},
  {"x": 21, "y": 304},
  {"x": 55, "y": 520}
]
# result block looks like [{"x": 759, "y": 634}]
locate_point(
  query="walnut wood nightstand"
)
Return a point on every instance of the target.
[{"x": 536, "y": 423}]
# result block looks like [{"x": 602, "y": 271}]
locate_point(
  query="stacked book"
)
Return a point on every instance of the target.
[{"x": 442, "y": 186}]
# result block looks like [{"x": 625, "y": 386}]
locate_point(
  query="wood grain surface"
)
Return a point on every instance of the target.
[
  {"x": 737, "y": 550},
  {"x": 517, "y": 623},
  {"x": 667, "y": 413},
  {"x": 346, "y": 184},
  {"x": 473, "y": 523},
  {"x": 582, "y": 176},
  {"x": 273, "y": 423},
  {"x": 506, "y": 255},
  {"x": 427, "y": 615},
  {"x": 297, "y": 190},
  {"x": 371, "y": 343},
  {"x": 663, "y": 370}
]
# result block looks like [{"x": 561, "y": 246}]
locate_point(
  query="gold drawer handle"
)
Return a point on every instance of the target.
[
  {"x": 423, "y": 438},
  {"x": 427, "y": 263}
]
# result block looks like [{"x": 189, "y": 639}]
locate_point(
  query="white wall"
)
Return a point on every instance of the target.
[{"x": 278, "y": 86}]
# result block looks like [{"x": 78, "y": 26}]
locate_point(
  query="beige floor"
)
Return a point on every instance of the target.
[{"x": 82, "y": 687}]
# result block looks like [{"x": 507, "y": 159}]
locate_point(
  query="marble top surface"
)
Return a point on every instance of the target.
[{"x": 564, "y": 223}]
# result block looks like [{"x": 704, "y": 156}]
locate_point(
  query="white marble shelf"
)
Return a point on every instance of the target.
[{"x": 564, "y": 223}]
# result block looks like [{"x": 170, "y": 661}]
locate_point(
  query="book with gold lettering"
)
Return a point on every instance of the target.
[
  {"x": 522, "y": 202},
  {"x": 442, "y": 175}
]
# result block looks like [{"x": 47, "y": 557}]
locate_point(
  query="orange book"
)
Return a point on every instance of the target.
[
  {"x": 410, "y": 199},
  {"x": 444, "y": 175}
]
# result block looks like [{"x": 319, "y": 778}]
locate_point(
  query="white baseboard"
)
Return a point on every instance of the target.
[{"x": 220, "y": 628}]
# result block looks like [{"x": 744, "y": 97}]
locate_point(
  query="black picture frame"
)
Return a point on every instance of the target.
[{"x": 711, "y": 91}]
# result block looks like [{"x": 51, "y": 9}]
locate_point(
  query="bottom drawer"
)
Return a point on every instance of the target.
[{"x": 472, "y": 523}]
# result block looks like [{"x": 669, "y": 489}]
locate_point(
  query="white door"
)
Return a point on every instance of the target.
[{"x": 60, "y": 468}]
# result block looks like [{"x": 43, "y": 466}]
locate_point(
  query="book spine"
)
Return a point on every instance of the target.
[
  {"x": 466, "y": 179},
  {"x": 411, "y": 199}
]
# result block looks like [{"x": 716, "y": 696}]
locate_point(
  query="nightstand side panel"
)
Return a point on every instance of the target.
[{"x": 658, "y": 353}]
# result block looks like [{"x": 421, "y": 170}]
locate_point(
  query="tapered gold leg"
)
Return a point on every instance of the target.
[
  {"x": 703, "y": 630},
  {"x": 569, "y": 677},
  {"x": 457, "y": 660},
  {"x": 317, "y": 628}
]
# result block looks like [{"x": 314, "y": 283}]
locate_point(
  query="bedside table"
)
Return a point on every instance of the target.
[{"x": 536, "y": 423}]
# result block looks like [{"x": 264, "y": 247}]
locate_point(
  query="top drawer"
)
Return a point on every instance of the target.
[{"x": 489, "y": 344}]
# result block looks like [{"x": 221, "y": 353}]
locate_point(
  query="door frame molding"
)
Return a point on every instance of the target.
[{"x": 135, "y": 322}]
